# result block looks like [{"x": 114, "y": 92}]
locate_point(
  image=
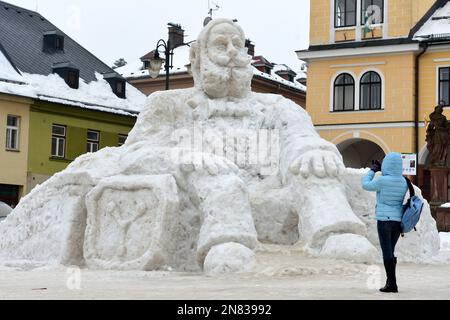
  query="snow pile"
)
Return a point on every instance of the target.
[
  {"x": 96, "y": 95},
  {"x": 439, "y": 23},
  {"x": 349, "y": 247},
  {"x": 229, "y": 257},
  {"x": 420, "y": 246},
  {"x": 445, "y": 241},
  {"x": 5, "y": 210},
  {"x": 7, "y": 72}
]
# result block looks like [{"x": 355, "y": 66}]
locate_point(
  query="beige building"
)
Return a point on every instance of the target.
[{"x": 376, "y": 70}]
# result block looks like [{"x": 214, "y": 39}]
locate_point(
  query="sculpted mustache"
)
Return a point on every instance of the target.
[
  {"x": 227, "y": 74},
  {"x": 237, "y": 61}
]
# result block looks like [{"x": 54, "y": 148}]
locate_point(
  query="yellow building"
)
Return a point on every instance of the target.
[
  {"x": 14, "y": 113},
  {"x": 376, "y": 70}
]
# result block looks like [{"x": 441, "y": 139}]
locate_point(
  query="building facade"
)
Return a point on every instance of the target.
[
  {"x": 376, "y": 70},
  {"x": 268, "y": 77},
  {"x": 57, "y": 102}
]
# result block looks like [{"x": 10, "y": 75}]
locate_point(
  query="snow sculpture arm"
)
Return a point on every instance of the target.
[
  {"x": 369, "y": 184},
  {"x": 157, "y": 121},
  {"x": 303, "y": 151}
]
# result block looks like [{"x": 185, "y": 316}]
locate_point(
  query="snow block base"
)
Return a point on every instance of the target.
[
  {"x": 228, "y": 257},
  {"x": 142, "y": 211},
  {"x": 350, "y": 247}
]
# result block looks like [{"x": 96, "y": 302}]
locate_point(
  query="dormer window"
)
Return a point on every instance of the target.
[
  {"x": 69, "y": 73},
  {"x": 117, "y": 83},
  {"x": 53, "y": 42}
]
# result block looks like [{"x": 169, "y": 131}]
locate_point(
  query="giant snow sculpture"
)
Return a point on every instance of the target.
[{"x": 205, "y": 174}]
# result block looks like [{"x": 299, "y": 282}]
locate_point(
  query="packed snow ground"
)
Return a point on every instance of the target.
[{"x": 280, "y": 273}]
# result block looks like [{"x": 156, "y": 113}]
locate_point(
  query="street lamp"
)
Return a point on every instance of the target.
[{"x": 176, "y": 39}]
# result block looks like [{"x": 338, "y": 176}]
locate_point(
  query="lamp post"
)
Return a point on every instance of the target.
[{"x": 176, "y": 39}]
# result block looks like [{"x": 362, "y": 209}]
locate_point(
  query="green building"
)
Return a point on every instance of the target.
[{"x": 57, "y": 102}]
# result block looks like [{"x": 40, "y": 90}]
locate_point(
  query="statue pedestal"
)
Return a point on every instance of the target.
[
  {"x": 438, "y": 189},
  {"x": 443, "y": 219}
]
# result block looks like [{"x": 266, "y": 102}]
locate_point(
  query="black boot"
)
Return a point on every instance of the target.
[{"x": 391, "y": 283}]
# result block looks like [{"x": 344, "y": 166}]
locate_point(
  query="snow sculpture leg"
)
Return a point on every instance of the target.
[
  {"x": 324, "y": 210},
  {"x": 227, "y": 218},
  {"x": 130, "y": 222}
]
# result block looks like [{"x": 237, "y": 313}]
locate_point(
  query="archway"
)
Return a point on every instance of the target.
[{"x": 359, "y": 153}]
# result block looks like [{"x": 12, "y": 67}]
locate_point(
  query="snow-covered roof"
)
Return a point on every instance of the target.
[
  {"x": 7, "y": 71},
  {"x": 96, "y": 95},
  {"x": 437, "y": 25},
  {"x": 277, "y": 78},
  {"x": 181, "y": 59},
  {"x": 281, "y": 67}
]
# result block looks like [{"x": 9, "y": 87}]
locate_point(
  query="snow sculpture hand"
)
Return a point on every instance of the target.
[
  {"x": 319, "y": 163},
  {"x": 209, "y": 163}
]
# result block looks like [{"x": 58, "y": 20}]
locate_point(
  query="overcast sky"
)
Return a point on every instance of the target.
[{"x": 112, "y": 29}]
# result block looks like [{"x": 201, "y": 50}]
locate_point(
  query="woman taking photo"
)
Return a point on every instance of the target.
[{"x": 391, "y": 189}]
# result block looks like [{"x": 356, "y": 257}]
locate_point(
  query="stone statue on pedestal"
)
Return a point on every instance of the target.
[{"x": 438, "y": 138}]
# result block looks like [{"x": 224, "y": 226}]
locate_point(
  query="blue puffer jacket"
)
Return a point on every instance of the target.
[{"x": 391, "y": 188}]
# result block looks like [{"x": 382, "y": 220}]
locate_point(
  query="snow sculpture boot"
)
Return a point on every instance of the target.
[{"x": 391, "y": 283}]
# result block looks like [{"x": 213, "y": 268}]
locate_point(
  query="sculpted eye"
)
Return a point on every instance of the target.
[{"x": 237, "y": 43}]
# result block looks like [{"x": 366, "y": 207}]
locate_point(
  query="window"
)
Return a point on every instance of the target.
[
  {"x": 122, "y": 139},
  {"x": 444, "y": 86},
  {"x": 93, "y": 140},
  {"x": 12, "y": 133},
  {"x": 72, "y": 79},
  {"x": 59, "y": 43},
  {"x": 58, "y": 141},
  {"x": 370, "y": 91},
  {"x": 344, "y": 93},
  {"x": 373, "y": 9},
  {"x": 120, "y": 87},
  {"x": 344, "y": 13}
]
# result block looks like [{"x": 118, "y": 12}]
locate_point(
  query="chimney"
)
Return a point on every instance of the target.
[
  {"x": 262, "y": 64},
  {"x": 251, "y": 47},
  {"x": 285, "y": 72},
  {"x": 176, "y": 35}
]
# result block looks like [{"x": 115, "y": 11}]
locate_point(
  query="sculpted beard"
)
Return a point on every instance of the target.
[{"x": 233, "y": 80}]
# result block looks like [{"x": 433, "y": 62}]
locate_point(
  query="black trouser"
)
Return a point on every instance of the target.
[{"x": 388, "y": 233}]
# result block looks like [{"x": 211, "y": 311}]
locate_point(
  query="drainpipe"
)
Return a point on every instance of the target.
[{"x": 424, "y": 47}]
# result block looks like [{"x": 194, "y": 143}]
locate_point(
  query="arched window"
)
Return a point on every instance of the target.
[
  {"x": 370, "y": 91},
  {"x": 344, "y": 93}
]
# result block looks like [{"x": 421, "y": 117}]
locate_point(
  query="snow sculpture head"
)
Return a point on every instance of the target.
[{"x": 220, "y": 64}]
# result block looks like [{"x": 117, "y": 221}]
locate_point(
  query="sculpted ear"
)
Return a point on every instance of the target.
[{"x": 194, "y": 54}]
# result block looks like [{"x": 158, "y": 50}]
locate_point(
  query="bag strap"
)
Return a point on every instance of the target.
[{"x": 410, "y": 187}]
